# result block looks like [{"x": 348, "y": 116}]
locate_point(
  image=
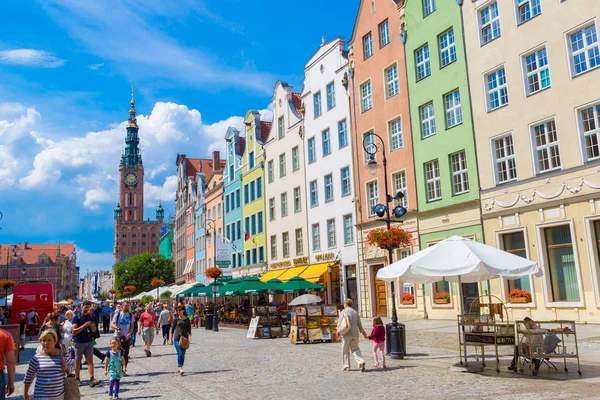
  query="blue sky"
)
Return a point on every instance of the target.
[{"x": 66, "y": 70}]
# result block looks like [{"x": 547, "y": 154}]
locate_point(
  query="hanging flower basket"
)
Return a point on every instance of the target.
[
  {"x": 519, "y": 296},
  {"x": 7, "y": 283},
  {"x": 389, "y": 239},
  {"x": 408, "y": 299},
  {"x": 441, "y": 298},
  {"x": 213, "y": 272},
  {"x": 130, "y": 289},
  {"x": 157, "y": 283},
  {"x": 112, "y": 291}
]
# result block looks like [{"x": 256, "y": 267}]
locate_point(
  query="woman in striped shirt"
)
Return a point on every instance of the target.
[{"x": 47, "y": 370}]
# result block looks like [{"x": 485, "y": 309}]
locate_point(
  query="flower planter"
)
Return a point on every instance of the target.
[
  {"x": 441, "y": 301},
  {"x": 518, "y": 300},
  {"x": 408, "y": 302}
]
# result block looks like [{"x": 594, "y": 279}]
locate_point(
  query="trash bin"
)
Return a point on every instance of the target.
[
  {"x": 209, "y": 322},
  {"x": 401, "y": 338}
]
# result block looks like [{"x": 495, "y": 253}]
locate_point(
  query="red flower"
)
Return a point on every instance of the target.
[
  {"x": 156, "y": 283},
  {"x": 516, "y": 293},
  {"x": 7, "y": 283},
  {"x": 130, "y": 289},
  {"x": 408, "y": 297},
  {"x": 213, "y": 272},
  {"x": 392, "y": 238},
  {"x": 442, "y": 295}
]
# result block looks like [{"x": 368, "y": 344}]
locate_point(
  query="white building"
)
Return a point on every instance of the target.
[
  {"x": 329, "y": 177},
  {"x": 285, "y": 177}
]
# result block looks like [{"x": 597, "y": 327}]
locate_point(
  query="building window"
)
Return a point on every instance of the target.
[
  {"x": 345, "y": 177},
  {"x": 330, "y": 90},
  {"x": 590, "y": 119},
  {"x": 399, "y": 182},
  {"x": 506, "y": 163},
  {"x": 547, "y": 154},
  {"x": 258, "y": 191},
  {"x": 251, "y": 160},
  {"x": 253, "y": 228},
  {"x": 584, "y": 51},
  {"x": 285, "y": 239},
  {"x": 280, "y": 128},
  {"x": 259, "y": 221},
  {"x": 252, "y": 194},
  {"x": 133, "y": 243},
  {"x": 527, "y": 9},
  {"x": 312, "y": 151},
  {"x": 497, "y": 91},
  {"x": 299, "y": 245},
  {"x": 272, "y": 209},
  {"x": 328, "y": 180},
  {"x": 423, "y": 64},
  {"x": 432, "y": 177},
  {"x": 562, "y": 271},
  {"x": 282, "y": 165},
  {"x": 246, "y": 197},
  {"x": 428, "y": 7},
  {"x": 372, "y": 196},
  {"x": 274, "y": 247},
  {"x": 295, "y": 159},
  {"x": 270, "y": 171},
  {"x": 427, "y": 120},
  {"x": 284, "y": 206},
  {"x": 297, "y": 200},
  {"x": 248, "y": 258},
  {"x": 317, "y": 104},
  {"x": 460, "y": 176},
  {"x": 391, "y": 81},
  {"x": 489, "y": 23},
  {"x": 348, "y": 229},
  {"x": 342, "y": 134},
  {"x": 396, "y": 140},
  {"x": 326, "y": 142},
  {"x": 369, "y": 142},
  {"x": 254, "y": 256},
  {"x": 453, "y": 109},
  {"x": 537, "y": 71},
  {"x": 238, "y": 194},
  {"x": 331, "y": 239},
  {"x": 447, "y": 48},
  {"x": 261, "y": 254},
  {"x": 367, "y": 99},
  {"x": 314, "y": 194},
  {"x": 514, "y": 243},
  {"x": 384, "y": 33},
  {"x": 316, "y": 237},
  {"x": 367, "y": 45}
]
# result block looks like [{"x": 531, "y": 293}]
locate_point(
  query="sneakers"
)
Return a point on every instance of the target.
[
  {"x": 164, "y": 342},
  {"x": 375, "y": 365},
  {"x": 181, "y": 372},
  {"x": 94, "y": 382},
  {"x": 361, "y": 366},
  {"x": 21, "y": 348},
  {"x": 346, "y": 369},
  {"x": 384, "y": 366}
]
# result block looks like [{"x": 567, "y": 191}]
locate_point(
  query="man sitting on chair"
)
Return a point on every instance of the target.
[{"x": 526, "y": 347}]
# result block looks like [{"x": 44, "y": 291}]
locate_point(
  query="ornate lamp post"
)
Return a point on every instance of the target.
[
  {"x": 371, "y": 147},
  {"x": 209, "y": 225}
]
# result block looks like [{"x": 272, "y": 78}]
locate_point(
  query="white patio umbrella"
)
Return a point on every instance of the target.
[
  {"x": 305, "y": 299},
  {"x": 460, "y": 260}
]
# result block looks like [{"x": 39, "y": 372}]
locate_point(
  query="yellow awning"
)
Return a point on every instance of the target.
[
  {"x": 272, "y": 274},
  {"x": 290, "y": 273},
  {"x": 314, "y": 272}
]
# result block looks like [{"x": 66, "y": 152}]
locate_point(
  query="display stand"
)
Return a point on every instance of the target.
[
  {"x": 546, "y": 340},
  {"x": 490, "y": 328},
  {"x": 269, "y": 322},
  {"x": 314, "y": 324}
]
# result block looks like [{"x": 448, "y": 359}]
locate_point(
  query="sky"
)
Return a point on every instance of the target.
[{"x": 66, "y": 71}]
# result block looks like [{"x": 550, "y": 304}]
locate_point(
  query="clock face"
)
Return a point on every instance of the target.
[{"x": 130, "y": 178}]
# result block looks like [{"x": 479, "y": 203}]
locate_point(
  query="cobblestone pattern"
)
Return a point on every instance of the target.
[{"x": 226, "y": 365}]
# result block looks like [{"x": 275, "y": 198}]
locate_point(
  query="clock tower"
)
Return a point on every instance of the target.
[{"x": 133, "y": 235}]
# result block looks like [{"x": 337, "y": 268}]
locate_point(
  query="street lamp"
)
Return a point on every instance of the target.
[
  {"x": 209, "y": 225},
  {"x": 157, "y": 287},
  {"x": 371, "y": 147}
]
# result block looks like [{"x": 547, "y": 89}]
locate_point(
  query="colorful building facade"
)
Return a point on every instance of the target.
[
  {"x": 232, "y": 195},
  {"x": 213, "y": 196}
]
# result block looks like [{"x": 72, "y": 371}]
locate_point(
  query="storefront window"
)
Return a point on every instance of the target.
[
  {"x": 562, "y": 271},
  {"x": 514, "y": 243},
  {"x": 441, "y": 286}
]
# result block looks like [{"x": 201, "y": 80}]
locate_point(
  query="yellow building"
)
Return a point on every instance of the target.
[{"x": 253, "y": 195}]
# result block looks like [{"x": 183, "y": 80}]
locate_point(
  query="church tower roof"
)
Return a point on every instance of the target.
[{"x": 132, "y": 155}]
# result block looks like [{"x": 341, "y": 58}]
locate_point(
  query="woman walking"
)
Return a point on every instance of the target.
[
  {"x": 181, "y": 336},
  {"x": 52, "y": 323},
  {"x": 47, "y": 370},
  {"x": 66, "y": 328}
]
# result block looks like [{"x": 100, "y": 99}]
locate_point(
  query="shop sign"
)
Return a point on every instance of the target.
[
  {"x": 252, "y": 328},
  {"x": 280, "y": 264},
  {"x": 300, "y": 261},
  {"x": 489, "y": 339},
  {"x": 223, "y": 258},
  {"x": 325, "y": 257}
]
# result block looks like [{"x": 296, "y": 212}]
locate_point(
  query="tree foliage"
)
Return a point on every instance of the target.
[
  {"x": 166, "y": 295},
  {"x": 139, "y": 271},
  {"x": 147, "y": 299}
]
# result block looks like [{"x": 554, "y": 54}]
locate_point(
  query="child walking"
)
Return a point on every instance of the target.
[
  {"x": 378, "y": 337},
  {"x": 114, "y": 366}
]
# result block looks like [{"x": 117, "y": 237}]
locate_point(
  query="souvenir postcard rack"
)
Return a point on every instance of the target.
[
  {"x": 486, "y": 324},
  {"x": 544, "y": 341},
  {"x": 269, "y": 322},
  {"x": 314, "y": 324}
]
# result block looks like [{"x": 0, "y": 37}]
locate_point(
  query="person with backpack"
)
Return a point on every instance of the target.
[
  {"x": 83, "y": 328},
  {"x": 33, "y": 319},
  {"x": 123, "y": 325},
  {"x": 165, "y": 319}
]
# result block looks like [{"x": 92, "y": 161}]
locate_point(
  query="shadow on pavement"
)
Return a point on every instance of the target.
[{"x": 390, "y": 368}]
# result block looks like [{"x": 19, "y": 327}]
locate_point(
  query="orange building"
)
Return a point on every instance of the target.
[
  {"x": 214, "y": 210},
  {"x": 379, "y": 106}
]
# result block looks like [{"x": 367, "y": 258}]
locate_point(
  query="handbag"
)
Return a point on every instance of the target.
[
  {"x": 184, "y": 342},
  {"x": 345, "y": 325},
  {"x": 72, "y": 388}
]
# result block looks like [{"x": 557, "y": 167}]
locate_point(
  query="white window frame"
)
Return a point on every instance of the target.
[
  {"x": 367, "y": 45},
  {"x": 328, "y": 177},
  {"x": 285, "y": 244},
  {"x": 524, "y": 4},
  {"x": 297, "y": 199},
  {"x": 273, "y": 247},
  {"x": 429, "y": 7},
  {"x": 326, "y": 140},
  {"x": 295, "y": 158},
  {"x": 384, "y": 34},
  {"x": 427, "y": 117},
  {"x": 312, "y": 150},
  {"x": 348, "y": 229},
  {"x": 348, "y": 179},
  {"x": 433, "y": 180},
  {"x": 313, "y": 187},
  {"x": 284, "y": 204},
  {"x": 503, "y": 282},
  {"x": 453, "y": 108},
  {"x": 367, "y": 155},
  {"x": 449, "y": 49},
  {"x": 282, "y": 165},
  {"x": 315, "y": 231},
  {"x": 501, "y": 82},
  {"x": 366, "y": 95},
  {"x": 585, "y": 50},
  {"x": 317, "y": 104},
  {"x": 593, "y": 133},
  {"x": 423, "y": 61},
  {"x": 460, "y": 176},
  {"x": 399, "y": 185},
  {"x": 506, "y": 159},
  {"x": 331, "y": 234},
  {"x": 548, "y": 147},
  {"x": 490, "y": 23},
  {"x": 280, "y": 127},
  {"x": 343, "y": 133},
  {"x": 299, "y": 241},
  {"x": 272, "y": 210},
  {"x": 392, "y": 86},
  {"x": 537, "y": 72},
  {"x": 330, "y": 96},
  {"x": 372, "y": 198},
  {"x": 395, "y": 134}
]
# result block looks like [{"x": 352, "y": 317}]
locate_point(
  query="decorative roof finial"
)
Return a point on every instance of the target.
[{"x": 132, "y": 120}]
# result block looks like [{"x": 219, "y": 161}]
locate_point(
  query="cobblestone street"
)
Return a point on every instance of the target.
[{"x": 226, "y": 365}]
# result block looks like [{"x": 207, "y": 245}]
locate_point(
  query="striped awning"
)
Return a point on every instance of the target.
[{"x": 189, "y": 266}]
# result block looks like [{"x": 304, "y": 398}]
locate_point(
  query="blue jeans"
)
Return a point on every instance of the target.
[
  {"x": 180, "y": 354},
  {"x": 133, "y": 335},
  {"x": 2, "y": 386}
]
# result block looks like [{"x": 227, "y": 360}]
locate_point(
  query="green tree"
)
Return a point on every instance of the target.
[
  {"x": 140, "y": 270},
  {"x": 166, "y": 295},
  {"x": 103, "y": 296},
  {"x": 147, "y": 299}
]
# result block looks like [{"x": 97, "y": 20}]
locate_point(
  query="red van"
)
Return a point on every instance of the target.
[{"x": 36, "y": 295}]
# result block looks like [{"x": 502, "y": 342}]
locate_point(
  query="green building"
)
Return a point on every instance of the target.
[
  {"x": 166, "y": 241},
  {"x": 442, "y": 131}
]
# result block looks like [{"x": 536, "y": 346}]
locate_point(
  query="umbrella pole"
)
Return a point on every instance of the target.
[{"x": 462, "y": 319}]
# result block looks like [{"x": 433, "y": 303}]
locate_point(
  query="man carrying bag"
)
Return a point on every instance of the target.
[{"x": 349, "y": 327}]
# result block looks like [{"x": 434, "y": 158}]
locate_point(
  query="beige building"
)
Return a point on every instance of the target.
[{"x": 533, "y": 71}]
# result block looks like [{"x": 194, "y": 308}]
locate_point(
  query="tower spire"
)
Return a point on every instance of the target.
[{"x": 132, "y": 119}]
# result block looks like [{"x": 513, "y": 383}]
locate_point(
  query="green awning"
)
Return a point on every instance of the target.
[{"x": 297, "y": 284}]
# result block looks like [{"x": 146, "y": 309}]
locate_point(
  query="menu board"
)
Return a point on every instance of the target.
[{"x": 252, "y": 328}]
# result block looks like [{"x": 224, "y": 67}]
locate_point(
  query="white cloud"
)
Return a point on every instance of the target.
[
  {"x": 11, "y": 108},
  {"x": 31, "y": 58},
  {"x": 94, "y": 67},
  {"x": 152, "y": 193},
  {"x": 94, "y": 197},
  {"x": 89, "y": 261}
]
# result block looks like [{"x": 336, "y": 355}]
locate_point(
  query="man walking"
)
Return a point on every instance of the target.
[
  {"x": 123, "y": 326},
  {"x": 83, "y": 326},
  {"x": 146, "y": 325},
  {"x": 33, "y": 319},
  {"x": 7, "y": 350},
  {"x": 164, "y": 320},
  {"x": 105, "y": 315},
  {"x": 349, "y": 318}
]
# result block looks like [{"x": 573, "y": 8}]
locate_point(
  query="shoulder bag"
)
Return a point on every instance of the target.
[
  {"x": 71, "y": 385},
  {"x": 184, "y": 342},
  {"x": 345, "y": 325}
]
